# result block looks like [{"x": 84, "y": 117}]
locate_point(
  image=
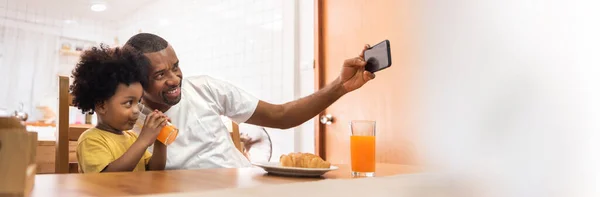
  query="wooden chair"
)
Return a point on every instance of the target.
[
  {"x": 65, "y": 132},
  {"x": 234, "y": 131},
  {"x": 235, "y": 136},
  {"x": 236, "y": 139}
]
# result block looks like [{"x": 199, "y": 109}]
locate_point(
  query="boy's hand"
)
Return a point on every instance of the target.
[{"x": 154, "y": 122}]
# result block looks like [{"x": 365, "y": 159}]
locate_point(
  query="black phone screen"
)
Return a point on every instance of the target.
[{"x": 378, "y": 57}]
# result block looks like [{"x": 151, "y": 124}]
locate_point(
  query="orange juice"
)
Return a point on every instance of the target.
[
  {"x": 362, "y": 151},
  {"x": 167, "y": 134}
]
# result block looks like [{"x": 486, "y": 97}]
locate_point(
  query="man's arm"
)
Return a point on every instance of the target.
[{"x": 294, "y": 113}]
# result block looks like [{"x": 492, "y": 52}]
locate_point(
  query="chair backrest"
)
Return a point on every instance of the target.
[
  {"x": 63, "y": 136},
  {"x": 235, "y": 136},
  {"x": 234, "y": 131}
]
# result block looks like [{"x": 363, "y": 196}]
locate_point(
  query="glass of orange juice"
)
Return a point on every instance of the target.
[
  {"x": 362, "y": 147},
  {"x": 167, "y": 134}
]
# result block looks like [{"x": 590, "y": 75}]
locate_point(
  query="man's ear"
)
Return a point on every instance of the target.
[{"x": 100, "y": 108}]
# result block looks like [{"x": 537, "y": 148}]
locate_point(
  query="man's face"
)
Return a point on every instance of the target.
[{"x": 164, "y": 85}]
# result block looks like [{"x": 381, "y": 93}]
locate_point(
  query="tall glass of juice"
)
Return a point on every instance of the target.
[{"x": 362, "y": 147}]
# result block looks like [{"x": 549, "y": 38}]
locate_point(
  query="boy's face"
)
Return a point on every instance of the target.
[
  {"x": 121, "y": 110},
  {"x": 164, "y": 86}
]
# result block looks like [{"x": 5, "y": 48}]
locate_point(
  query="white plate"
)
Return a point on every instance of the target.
[{"x": 275, "y": 168}]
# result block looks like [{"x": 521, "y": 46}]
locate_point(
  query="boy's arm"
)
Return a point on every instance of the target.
[
  {"x": 159, "y": 157},
  {"x": 129, "y": 159}
]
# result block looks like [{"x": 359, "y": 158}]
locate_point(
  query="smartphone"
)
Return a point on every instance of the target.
[{"x": 378, "y": 57}]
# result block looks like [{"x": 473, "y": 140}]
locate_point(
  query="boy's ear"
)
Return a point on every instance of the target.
[{"x": 100, "y": 108}]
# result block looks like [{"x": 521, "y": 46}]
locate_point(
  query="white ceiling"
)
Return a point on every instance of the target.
[{"x": 73, "y": 9}]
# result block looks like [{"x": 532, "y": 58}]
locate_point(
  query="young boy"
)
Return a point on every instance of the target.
[{"x": 109, "y": 82}]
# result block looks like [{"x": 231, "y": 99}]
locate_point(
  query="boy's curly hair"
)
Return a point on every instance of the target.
[{"x": 101, "y": 69}]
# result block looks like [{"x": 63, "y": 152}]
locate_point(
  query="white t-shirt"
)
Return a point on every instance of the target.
[{"x": 204, "y": 140}]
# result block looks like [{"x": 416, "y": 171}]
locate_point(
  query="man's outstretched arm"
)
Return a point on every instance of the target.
[{"x": 294, "y": 113}]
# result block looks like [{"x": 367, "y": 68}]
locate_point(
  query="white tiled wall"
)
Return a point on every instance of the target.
[
  {"x": 238, "y": 41},
  {"x": 252, "y": 44},
  {"x": 78, "y": 28},
  {"x": 36, "y": 25}
]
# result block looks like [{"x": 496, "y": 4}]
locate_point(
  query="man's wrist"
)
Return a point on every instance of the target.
[{"x": 338, "y": 87}]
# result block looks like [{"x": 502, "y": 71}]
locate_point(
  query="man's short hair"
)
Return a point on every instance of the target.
[{"x": 147, "y": 43}]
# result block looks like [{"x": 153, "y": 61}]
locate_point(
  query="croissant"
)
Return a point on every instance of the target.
[{"x": 303, "y": 160}]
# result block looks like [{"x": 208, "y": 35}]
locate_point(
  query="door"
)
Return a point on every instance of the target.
[{"x": 342, "y": 29}]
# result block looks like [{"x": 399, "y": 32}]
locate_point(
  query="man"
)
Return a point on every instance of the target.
[{"x": 195, "y": 105}]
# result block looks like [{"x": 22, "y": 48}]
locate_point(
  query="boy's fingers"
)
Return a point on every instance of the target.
[
  {"x": 155, "y": 120},
  {"x": 149, "y": 118}
]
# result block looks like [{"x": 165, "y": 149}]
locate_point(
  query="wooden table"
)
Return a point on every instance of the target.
[{"x": 157, "y": 182}]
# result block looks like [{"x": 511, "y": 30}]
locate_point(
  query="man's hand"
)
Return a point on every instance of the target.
[{"x": 354, "y": 75}]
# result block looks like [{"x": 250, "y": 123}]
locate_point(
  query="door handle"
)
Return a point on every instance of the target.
[{"x": 327, "y": 119}]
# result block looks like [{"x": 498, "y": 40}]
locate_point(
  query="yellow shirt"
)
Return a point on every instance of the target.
[{"x": 97, "y": 148}]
